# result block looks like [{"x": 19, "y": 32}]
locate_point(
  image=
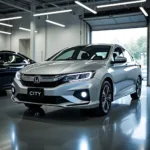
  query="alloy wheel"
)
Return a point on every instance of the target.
[
  {"x": 106, "y": 98},
  {"x": 138, "y": 87}
]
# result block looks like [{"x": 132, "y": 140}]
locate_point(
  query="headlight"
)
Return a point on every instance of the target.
[
  {"x": 18, "y": 75},
  {"x": 78, "y": 76}
]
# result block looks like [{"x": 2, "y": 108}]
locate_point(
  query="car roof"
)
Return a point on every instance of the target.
[
  {"x": 7, "y": 51},
  {"x": 102, "y": 44}
]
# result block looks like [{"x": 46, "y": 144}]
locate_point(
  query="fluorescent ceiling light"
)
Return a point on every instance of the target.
[
  {"x": 84, "y": 6},
  {"x": 3, "y": 32},
  {"x": 144, "y": 11},
  {"x": 7, "y": 25},
  {"x": 55, "y": 23},
  {"x": 119, "y": 4},
  {"x": 11, "y": 18},
  {"x": 53, "y": 12},
  {"x": 25, "y": 29}
]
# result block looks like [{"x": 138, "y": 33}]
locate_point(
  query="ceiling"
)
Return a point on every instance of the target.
[
  {"x": 13, "y": 6},
  {"x": 131, "y": 20},
  {"x": 120, "y": 18},
  {"x": 112, "y": 17}
]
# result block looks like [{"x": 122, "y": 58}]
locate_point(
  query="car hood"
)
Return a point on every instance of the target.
[{"x": 62, "y": 67}]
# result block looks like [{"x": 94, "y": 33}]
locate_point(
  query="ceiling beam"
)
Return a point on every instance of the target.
[
  {"x": 71, "y": 5},
  {"x": 15, "y": 5},
  {"x": 61, "y": 7},
  {"x": 36, "y": 3}
]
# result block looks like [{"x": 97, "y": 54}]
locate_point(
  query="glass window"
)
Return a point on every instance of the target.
[
  {"x": 103, "y": 54},
  {"x": 1, "y": 57},
  {"x": 128, "y": 56},
  {"x": 66, "y": 55},
  {"x": 81, "y": 53},
  {"x": 117, "y": 52},
  {"x": 12, "y": 58},
  {"x": 84, "y": 53},
  {"x": 1, "y": 60}
]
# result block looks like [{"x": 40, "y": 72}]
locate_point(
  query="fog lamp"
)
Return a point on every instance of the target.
[{"x": 84, "y": 94}]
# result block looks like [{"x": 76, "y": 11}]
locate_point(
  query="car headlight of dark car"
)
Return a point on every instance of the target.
[{"x": 18, "y": 75}]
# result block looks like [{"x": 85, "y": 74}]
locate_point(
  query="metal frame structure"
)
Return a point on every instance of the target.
[{"x": 14, "y": 6}]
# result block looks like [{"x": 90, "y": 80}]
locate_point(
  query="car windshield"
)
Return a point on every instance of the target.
[{"x": 95, "y": 52}]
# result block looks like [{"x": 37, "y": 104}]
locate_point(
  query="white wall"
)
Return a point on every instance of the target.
[
  {"x": 58, "y": 38},
  {"x": 50, "y": 38},
  {"x": 4, "y": 42},
  {"x": 19, "y": 34},
  {"x": 24, "y": 47}
]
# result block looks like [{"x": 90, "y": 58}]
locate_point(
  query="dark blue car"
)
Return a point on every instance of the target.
[{"x": 10, "y": 63}]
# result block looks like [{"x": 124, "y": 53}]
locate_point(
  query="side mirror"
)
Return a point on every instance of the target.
[{"x": 119, "y": 59}]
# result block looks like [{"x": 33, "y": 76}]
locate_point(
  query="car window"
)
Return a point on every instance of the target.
[
  {"x": 93, "y": 52},
  {"x": 13, "y": 58},
  {"x": 1, "y": 57},
  {"x": 81, "y": 53},
  {"x": 103, "y": 54},
  {"x": 67, "y": 55},
  {"x": 128, "y": 56},
  {"x": 117, "y": 52}
]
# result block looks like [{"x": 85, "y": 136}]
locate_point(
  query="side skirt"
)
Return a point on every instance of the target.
[{"x": 127, "y": 91}]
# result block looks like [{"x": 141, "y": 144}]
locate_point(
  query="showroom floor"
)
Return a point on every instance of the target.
[{"x": 125, "y": 128}]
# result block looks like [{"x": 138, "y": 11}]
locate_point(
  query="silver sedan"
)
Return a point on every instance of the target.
[{"x": 84, "y": 77}]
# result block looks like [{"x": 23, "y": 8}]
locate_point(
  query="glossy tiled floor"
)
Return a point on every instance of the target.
[{"x": 127, "y": 127}]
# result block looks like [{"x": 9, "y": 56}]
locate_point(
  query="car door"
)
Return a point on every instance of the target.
[
  {"x": 118, "y": 71},
  {"x": 14, "y": 63},
  {"x": 132, "y": 69}
]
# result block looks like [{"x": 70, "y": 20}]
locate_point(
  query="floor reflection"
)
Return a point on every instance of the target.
[
  {"x": 49, "y": 128},
  {"x": 34, "y": 112},
  {"x": 121, "y": 125}
]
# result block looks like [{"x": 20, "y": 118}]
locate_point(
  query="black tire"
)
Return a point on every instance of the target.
[
  {"x": 137, "y": 94},
  {"x": 33, "y": 106},
  {"x": 106, "y": 97}
]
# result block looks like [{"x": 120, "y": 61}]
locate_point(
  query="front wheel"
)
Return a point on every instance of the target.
[
  {"x": 137, "y": 94},
  {"x": 106, "y": 97},
  {"x": 33, "y": 106}
]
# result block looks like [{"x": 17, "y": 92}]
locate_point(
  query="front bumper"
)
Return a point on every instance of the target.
[{"x": 65, "y": 91}]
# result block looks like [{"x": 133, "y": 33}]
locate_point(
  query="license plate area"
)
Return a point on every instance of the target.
[{"x": 37, "y": 93}]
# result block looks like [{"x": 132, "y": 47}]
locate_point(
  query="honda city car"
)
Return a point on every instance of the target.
[{"x": 83, "y": 77}]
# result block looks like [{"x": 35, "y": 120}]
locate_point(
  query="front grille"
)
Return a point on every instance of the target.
[
  {"x": 45, "y": 100},
  {"x": 42, "y": 84}
]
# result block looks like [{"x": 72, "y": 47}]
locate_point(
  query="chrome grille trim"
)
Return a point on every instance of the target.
[{"x": 44, "y": 78}]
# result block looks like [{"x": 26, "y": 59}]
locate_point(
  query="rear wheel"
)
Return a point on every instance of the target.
[
  {"x": 106, "y": 97},
  {"x": 33, "y": 106},
  {"x": 137, "y": 94}
]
